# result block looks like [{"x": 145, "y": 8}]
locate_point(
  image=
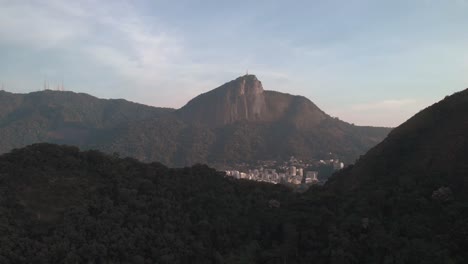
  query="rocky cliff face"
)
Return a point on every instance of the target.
[{"x": 244, "y": 99}]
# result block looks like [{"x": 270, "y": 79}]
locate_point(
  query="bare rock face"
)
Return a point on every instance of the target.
[
  {"x": 246, "y": 100},
  {"x": 242, "y": 99}
]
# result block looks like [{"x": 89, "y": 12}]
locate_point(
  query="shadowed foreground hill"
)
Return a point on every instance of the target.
[
  {"x": 429, "y": 149},
  {"x": 413, "y": 187},
  {"x": 59, "y": 205}
]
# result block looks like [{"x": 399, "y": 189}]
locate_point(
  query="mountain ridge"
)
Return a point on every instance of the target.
[{"x": 236, "y": 122}]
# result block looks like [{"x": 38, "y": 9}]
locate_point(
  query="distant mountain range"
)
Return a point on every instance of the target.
[{"x": 236, "y": 122}]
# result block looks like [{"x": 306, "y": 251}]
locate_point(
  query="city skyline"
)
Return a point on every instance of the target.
[{"x": 366, "y": 63}]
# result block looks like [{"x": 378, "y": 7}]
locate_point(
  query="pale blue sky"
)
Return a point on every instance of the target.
[{"x": 368, "y": 62}]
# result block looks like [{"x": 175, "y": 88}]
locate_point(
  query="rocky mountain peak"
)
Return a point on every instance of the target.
[
  {"x": 248, "y": 85},
  {"x": 242, "y": 99}
]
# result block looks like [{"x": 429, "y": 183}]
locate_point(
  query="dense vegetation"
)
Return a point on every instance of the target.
[
  {"x": 403, "y": 202},
  {"x": 60, "y": 205}
]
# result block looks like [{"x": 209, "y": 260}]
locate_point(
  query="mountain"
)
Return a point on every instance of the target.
[
  {"x": 405, "y": 201},
  {"x": 241, "y": 122},
  {"x": 240, "y": 100},
  {"x": 427, "y": 150},
  {"x": 409, "y": 194},
  {"x": 237, "y": 122},
  {"x": 63, "y": 117},
  {"x": 244, "y": 99}
]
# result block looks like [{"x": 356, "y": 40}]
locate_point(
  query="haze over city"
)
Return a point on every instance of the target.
[{"x": 367, "y": 62}]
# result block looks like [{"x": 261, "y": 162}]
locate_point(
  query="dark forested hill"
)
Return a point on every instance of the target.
[
  {"x": 429, "y": 149},
  {"x": 236, "y": 122},
  {"x": 60, "y": 205},
  {"x": 63, "y": 117},
  {"x": 405, "y": 201},
  {"x": 412, "y": 189}
]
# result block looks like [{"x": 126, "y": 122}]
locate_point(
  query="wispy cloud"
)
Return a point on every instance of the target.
[
  {"x": 149, "y": 58},
  {"x": 389, "y": 112},
  {"x": 111, "y": 34},
  {"x": 38, "y": 25},
  {"x": 394, "y": 104},
  {"x": 139, "y": 54}
]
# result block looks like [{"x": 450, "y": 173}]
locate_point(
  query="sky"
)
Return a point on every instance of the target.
[{"x": 368, "y": 62}]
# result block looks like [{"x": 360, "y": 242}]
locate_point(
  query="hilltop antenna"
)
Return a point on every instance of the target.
[
  {"x": 46, "y": 85},
  {"x": 247, "y": 72}
]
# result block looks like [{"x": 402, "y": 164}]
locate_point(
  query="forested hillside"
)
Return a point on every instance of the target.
[
  {"x": 60, "y": 205},
  {"x": 236, "y": 122}
]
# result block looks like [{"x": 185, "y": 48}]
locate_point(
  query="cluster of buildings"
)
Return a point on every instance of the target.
[
  {"x": 293, "y": 175},
  {"x": 293, "y": 172}
]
